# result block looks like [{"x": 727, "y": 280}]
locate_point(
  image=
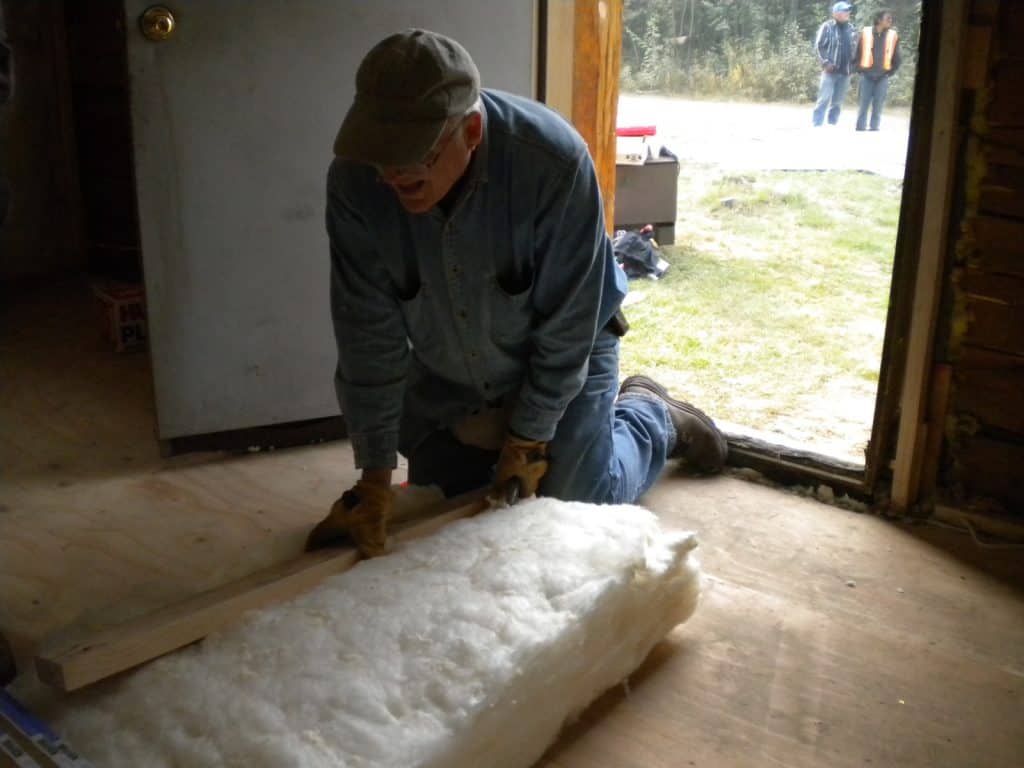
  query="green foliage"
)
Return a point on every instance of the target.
[{"x": 760, "y": 51}]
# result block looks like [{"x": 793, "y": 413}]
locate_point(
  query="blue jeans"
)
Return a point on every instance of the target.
[
  {"x": 604, "y": 451},
  {"x": 831, "y": 92},
  {"x": 871, "y": 94}
]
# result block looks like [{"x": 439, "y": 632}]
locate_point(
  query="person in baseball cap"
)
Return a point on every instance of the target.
[
  {"x": 476, "y": 302},
  {"x": 407, "y": 89},
  {"x": 834, "y": 45}
]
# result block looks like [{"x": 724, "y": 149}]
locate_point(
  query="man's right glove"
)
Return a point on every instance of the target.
[
  {"x": 521, "y": 465},
  {"x": 362, "y": 515}
]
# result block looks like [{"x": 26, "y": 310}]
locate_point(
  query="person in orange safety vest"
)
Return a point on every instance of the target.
[{"x": 878, "y": 57}]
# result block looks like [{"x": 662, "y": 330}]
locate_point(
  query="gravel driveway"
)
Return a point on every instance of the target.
[{"x": 752, "y": 136}]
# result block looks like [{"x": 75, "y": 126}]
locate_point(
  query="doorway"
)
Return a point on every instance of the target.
[{"x": 771, "y": 315}]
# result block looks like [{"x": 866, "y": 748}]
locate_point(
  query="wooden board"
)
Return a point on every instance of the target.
[
  {"x": 1007, "y": 106},
  {"x": 1008, "y": 528},
  {"x": 597, "y": 52},
  {"x": 932, "y": 252},
  {"x": 990, "y": 467},
  {"x": 1004, "y": 289},
  {"x": 997, "y": 245},
  {"x": 1004, "y": 146},
  {"x": 995, "y": 326},
  {"x": 144, "y": 639},
  {"x": 1002, "y": 189},
  {"x": 1009, "y": 26},
  {"x": 989, "y": 386},
  {"x": 938, "y": 407},
  {"x": 560, "y": 42},
  {"x": 976, "y": 69}
]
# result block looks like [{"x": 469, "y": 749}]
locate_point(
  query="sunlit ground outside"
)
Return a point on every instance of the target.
[{"x": 772, "y": 314}]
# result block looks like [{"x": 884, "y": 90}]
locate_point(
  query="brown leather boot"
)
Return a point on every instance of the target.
[{"x": 698, "y": 440}]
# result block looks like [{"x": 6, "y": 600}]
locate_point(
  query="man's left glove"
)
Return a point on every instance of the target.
[
  {"x": 361, "y": 515},
  {"x": 521, "y": 465}
]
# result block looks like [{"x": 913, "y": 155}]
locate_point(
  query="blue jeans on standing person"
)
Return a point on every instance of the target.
[
  {"x": 605, "y": 451},
  {"x": 871, "y": 94},
  {"x": 831, "y": 92}
]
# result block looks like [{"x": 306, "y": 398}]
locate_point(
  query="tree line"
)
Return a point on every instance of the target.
[{"x": 748, "y": 49}]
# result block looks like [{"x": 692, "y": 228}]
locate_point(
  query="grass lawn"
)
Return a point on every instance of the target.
[{"x": 772, "y": 312}]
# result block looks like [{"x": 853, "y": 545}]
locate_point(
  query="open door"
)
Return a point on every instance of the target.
[{"x": 234, "y": 109}]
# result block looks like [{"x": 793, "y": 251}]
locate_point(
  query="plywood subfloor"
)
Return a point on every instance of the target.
[{"x": 826, "y": 637}]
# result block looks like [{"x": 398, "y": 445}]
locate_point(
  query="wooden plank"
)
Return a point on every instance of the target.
[
  {"x": 1003, "y": 146},
  {"x": 1005, "y": 289},
  {"x": 559, "y": 74},
  {"x": 1001, "y": 234},
  {"x": 986, "y": 522},
  {"x": 136, "y": 642},
  {"x": 938, "y": 407},
  {"x": 597, "y": 52},
  {"x": 988, "y": 387},
  {"x": 979, "y": 38},
  {"x": 1002, "y": 190},
  {"x": 997, "y": 245},
  {"x": 1007, "y": 105},
  {"x": 984, "y": 12},
  {"x": 931, "y": 258},
  {"x": 995, "y": 325},
  {"x": 1010, "y": 27},
  {"x": 1003, "y": 136},
  {"x": 991, "y": 468},
  {"x": 997, "y": 262}
]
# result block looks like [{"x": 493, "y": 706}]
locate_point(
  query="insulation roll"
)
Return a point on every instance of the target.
[{"x": 469, "y": 648}]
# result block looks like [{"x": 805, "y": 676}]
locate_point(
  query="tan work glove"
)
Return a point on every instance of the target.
[
  {"x": 521, "y": 465},
  {"x": 360, "y": 515}
]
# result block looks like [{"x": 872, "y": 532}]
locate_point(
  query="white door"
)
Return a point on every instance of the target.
[{"x": 234, "y": 116}]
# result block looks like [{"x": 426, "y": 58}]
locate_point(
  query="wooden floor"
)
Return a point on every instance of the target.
[{"x": 826, "y": 637}]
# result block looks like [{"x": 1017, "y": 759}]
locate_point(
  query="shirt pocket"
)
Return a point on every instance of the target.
[
  {"x": 420, "y": 324},
  {"x": 511, "y": 314}
]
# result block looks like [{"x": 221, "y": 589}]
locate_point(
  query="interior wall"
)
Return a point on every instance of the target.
[
  {"x": 42, "y": 232},
  {"x": 982, "y": 338}
]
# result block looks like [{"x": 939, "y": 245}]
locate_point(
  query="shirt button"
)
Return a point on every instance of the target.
[{"x": 462, "y": 314}]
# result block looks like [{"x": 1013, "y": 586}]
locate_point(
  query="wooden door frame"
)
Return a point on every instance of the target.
[
  {"x": 919, "y": 390},
  {"x": 580, "y": 58}
]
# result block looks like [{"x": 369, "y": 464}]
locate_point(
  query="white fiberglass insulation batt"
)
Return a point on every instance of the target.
[{"x": 469, "y": 648}]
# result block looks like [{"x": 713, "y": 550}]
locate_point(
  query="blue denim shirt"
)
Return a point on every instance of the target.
[{"x": 437, "y": 316}]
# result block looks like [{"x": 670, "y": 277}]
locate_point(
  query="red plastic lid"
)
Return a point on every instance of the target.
[{"x": 636, "y": 130}]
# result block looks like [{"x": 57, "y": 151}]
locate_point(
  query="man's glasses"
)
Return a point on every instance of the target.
[{"x": 424, "y": 166}]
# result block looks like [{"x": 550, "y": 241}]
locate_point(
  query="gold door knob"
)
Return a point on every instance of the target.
[{"x": 157, "y": 23}]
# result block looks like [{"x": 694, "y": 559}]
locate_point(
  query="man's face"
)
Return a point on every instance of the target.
[
  {"x": 886, "y": 21},
  {"x": 842, "y": 16},
  {"x": 421, "y": 186}
]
